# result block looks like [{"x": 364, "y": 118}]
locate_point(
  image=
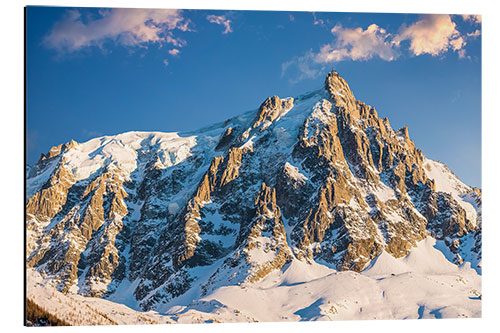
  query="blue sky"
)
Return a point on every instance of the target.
[{"x": 93, "y": 72}]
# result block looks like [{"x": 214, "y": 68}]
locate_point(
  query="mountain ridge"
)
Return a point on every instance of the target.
[{"x": 316, "y": 178}]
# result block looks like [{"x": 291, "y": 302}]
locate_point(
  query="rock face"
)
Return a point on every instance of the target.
[
  {"x": 316, "y": 177},
  {"x": 270, "y": 110}
]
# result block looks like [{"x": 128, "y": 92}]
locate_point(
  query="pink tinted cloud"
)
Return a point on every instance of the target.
[
  {"x": 357, "y": 44},
  {"x": 128, "y": 27},
  {"x": 174, "y": 52},
  {"x": 432, "y": 34},
  {"x": 221, "y": 20}
]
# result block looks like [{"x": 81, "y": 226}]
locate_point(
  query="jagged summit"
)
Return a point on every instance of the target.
[
  {"x": 54, "y": 151},
  {"x": 315, "y": 180},
  {"x": 271, "y": 109},
  {"x": 340, "y": 93}
]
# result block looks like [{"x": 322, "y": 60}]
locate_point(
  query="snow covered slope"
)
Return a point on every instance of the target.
[
  {"x": 424, "y": 284},
  {"x": 447, "y": 182}
]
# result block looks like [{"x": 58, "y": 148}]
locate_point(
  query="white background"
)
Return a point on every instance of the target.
[{"x": 12, "y": 163}]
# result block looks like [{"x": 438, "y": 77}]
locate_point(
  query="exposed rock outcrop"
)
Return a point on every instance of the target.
[{"x": 270, "y": 110}]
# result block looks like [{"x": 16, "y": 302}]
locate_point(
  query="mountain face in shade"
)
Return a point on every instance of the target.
[{"x": 316, "y": 179}]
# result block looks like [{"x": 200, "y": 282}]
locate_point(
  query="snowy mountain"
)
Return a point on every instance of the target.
[{"x": 307, "y": 208}]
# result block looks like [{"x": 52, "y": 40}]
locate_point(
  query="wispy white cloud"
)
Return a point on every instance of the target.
[
  {"x": 457, "y": 43},
  {"x": 357, "y": 44},
  {"x": 300, "y": 68},
  {"x": 221, "y": 20},
  {"x": 127, "y": 27},
  {"x": 432, "y": 34},
  {"x": 317, "y": 21},
  {"x": 350, "y": 44},
  {"x": 165, "y": 62},
  {"x": 474, "y": 34},
  {"x": 174, "y": 52},
  {"x": 91, "y": 133},
  {"x": 472, "y": 18}
]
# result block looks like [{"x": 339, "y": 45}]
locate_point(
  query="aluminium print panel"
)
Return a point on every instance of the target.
[{"x": 200, "y": 166}]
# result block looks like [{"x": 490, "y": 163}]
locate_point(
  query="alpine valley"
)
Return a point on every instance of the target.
[{"x": 308, "y": 208}]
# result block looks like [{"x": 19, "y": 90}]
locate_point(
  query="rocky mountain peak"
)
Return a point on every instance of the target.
[
  {"x": 340, "y": 93},
  {"x": 57, "y": 150},
  {"x": 404, "y": 133},
  {"x": 272, "y": 108}
]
